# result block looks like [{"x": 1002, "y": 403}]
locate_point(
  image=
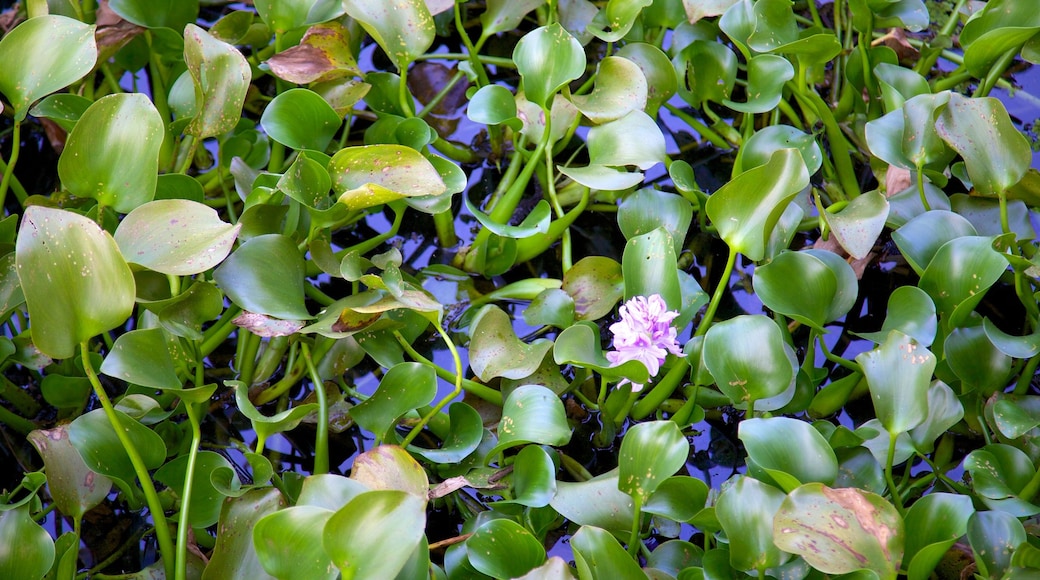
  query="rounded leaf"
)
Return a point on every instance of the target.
[
  {"x": 814, "y": 287},
  {"x": 790, "y": 451},
  {"x": 221, "y": 75},
  {"x": 175, "y": 236},
  {"x": 620, "y": 88},
  {"x": 404, "y": 29},
  {"x": 745, "y": 510},
  {"x": 266, "y": 275},
  {"x": 142, "y": 357},
  {"x": 746, "y": 356},
  {"x": 301, "y": 119},
  {"x": 502, "y": 548},
  {"x": 51, "y": 53},
  {"x": 375, "y": 534},
  {"x": 75, "y": 281},
  {"x": 75, "y": 488},
  {"x": 371, "y": 175},
  {"x": 29, "y": 549},
  {"x": 495, "y": 350},
  {"x": 532, "y": 414},
  {"x": 898, "y": 374},
  {"x": 650, "y": 453},
  {"x": 112, "y": 154},
  {"x": 288, "y": 543},
  {"x": 548, "y": 58}
]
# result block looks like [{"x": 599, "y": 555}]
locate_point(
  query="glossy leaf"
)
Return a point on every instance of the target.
[
  {"x": 30, "y": 550},
  {"x": 999, "y": 473},
  {"x": 491, "y": 105},
  {"x": 173, "y": 14},
  {"x": 596, "y": 502},
  {"x": 921, "y": 237},
  {"x": 206, "y": 500},
  {"x": 814, "y": 287},
  {"x": 650, "y": 453},
  {"x": 595, "y": 284},
  {"x": 747, "y": 358},
  {"x": 404, "y": 29},
  {"x": 660, "y": 74},
  {"x": 374, "y": 535},
  {"x": 142, "y": 357},
  {"x": 995, "y": 153},
  {"x": 620, "y": 88},
  {"x": 532, "y": 414},
  {"x": 978, "y": 363},
  {"x": 579, "y": 345},
  {"x": 265, "y": 275},
  {"x": 175, "y": 236},
  {"x": 235, "y": 555},
  {"x": 898, "y": 374},
  {"x": 288, "y": 543},
  {"x": 680, "y": 498},
  {"x": 1014, "y": 415},
  {"x": 285, "y": 15},
  {"x": 767, "y": 73},
  {"x": 112, "y": 155},
  {"x": 599, "y": 556},
  {"x": 634, "y": 139},
  {"x": 371, "y": 175},
  {"x": 75, "y": 488},
  {"x": 547, "y": 58},
  {"x": 993, "y": 536},
  {"x": 76, "y": 283},
  {"x": 95, "y": 439},
  {"x": 760, "y": 147},
  {"x": 746, "y": 510},
  {"x": 648, "y": 209},
  {"x": 495, "y": 350},
  {"x": 791, "y": 452},
  {"x": 944, "y": 411},
  {"x": 858, "y": 226},
  {"x": 933, "y": 525},
  {"x": 746, "y": 209},
  {"x": 502, "y": 548},
  {"x": 910, "y": 311},
  {"x": 841, "y": 530},
  {"x": 999, "y": 27},
  {"x": 221, "y": 75},
  {"x": 404, "y": 387},
  {"x": 960, "y": 273},
  {"x": 301, "y": 119},
  {"x": 649, "y": 267},
  {"x": 52, "y": 52},
  {"x": 534, "y": 478},
  {"x": 503, "y": 15}
]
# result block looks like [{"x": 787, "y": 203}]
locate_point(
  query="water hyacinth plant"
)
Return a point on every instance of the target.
[{"x": 537, "y": 289}]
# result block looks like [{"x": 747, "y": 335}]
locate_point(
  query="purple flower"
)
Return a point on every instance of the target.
[{"x": 644, "y": 333}]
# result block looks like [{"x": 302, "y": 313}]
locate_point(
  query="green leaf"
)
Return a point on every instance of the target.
[
  {"x": 620, "y": 88},
  {"x": 596, "y": 502},
  {"x": 647, "y": 209},
  {"x": 404, "y": 387},
  {"x": 993, "y": 536},
  {"x": 534, "y": 479},
  {"x": 221, "y": 76},
  {"x": 547, "y": 58},
  {"x": 944, "y": 411},
  {"x": 960, "y": 273},
  {"x": 532, "y": 414},
  {"x": 680, "y": 498},
  {"x": 263, "y": 425},
  {"x": 660, "y": 74},
  {"x": 758, "y": 148},
  {"x": 234, "y": 555},
  {"x": 76, "y": 283},
  {"x": 372, "y": 175},
  {"x": 174, "y": 14},
  {"x": 466, "y": 432},
  {"x": 920, "y": 238},
  {"x": 746, "y": 209},
  {"x": 999, "y": 473},
  {"x": 976, "y": 361},
  {"x": 599, "y": 556},
  {"x": 995, "y": 153},
  {"x": 502, "y": 548},
  {"x": 492, "y": 104},
  {"x": 389, "y": 467},
  {"x": 595, "y": 284},
  {"x": 933, "y": 525},
  {"x": 288, "y": 543},
  {"x": 650, "y": 453},
  {"x": 285, "y": 15},
  {"x": 747, "y": 357},
  {"x": 51, "y": 53},
  {"x": 767, "y": 74},
  {"x": 266, "y": 275},
  {"x": 495, "y": 350},
  {"x": 75, "y": 488},
  {"x": 910, "y": 311},
  {"x": 745, "y": 510},
  {"x": 1001, "y": 26},
  {"x": 814, "y": 287},
  {"x": 634, "y": 139},
  {"x": 649, "y": 267},
  {"x": 504, "y": 15},
  {"x": 579, "y": 345},
  {"x": 29, "y": 549},
  {"x": 789, "y": 451},
  {"x": 142, "y": 357},
  {"x": 375, "y": 534},
  {"x": 206, "y": 500},
  {"x": 95, "y": 439},
  {"x": 175, "y": 236},
  {"x": 112, "y": 155},
  {"x": 898, "y": 373},
  {"x": 404, "y": 29},
  {"x": 839, "y": 531},
  {"x": 301, "y": 119}
]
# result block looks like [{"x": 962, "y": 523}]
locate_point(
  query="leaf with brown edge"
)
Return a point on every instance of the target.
[
  {"x": 838, "y": 531},
  {"x": 322, "y": 55}
]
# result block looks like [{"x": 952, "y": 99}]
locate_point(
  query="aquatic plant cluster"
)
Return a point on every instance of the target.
[{"x": 452, "y": 289}]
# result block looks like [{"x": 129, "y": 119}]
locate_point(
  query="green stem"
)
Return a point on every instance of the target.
[
  {"x": 637, "y": 521},
  {"x": 16, "y": 140},
  {"x": 1030, "y": 490},
  {"x": 661, "y": 391},
  {"x": 995, "y": 72},
  {"x": 20, "y": 424},
  {"x": 920, "y": 189},
  {"x": 249, "y": 344},
  {"x": 321, "y": 436},
  {"x": 184, "y": 522},
  {"x": 483, "y": 391},
  {"x": 720, "y": 289},
  {"x": 703, "y": 130},
  {"x": 1024, "y": 379},
  {"x": 897, "y": 500},
  {"x": 162, "y": 532},
  {"x": 443, "y": 402},
  {"x": 846, "y": 173}
]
